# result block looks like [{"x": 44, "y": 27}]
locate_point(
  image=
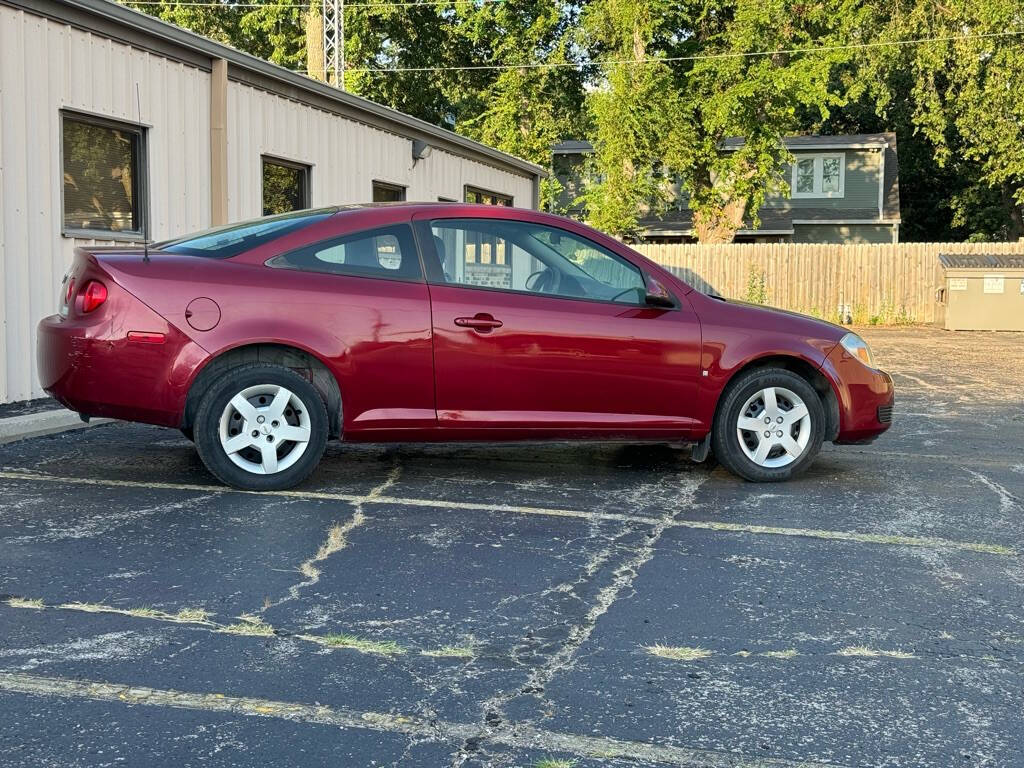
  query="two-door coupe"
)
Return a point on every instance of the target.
[{"x": 441, "y": 322}]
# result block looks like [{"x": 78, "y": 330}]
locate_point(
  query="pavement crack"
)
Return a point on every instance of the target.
[
  {"x": 621, "y": 582},
  {"x": 337, "y": 540}
]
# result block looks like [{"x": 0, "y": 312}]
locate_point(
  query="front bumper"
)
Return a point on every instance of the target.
[{"x": 865, "y": 396}]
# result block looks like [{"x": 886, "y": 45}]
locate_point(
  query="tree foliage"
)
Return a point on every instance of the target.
[
  {"x": 967, "y": 97},
  {"x": 636, "y": 110},
  {"x": 658, "y": 85},
  {"x": 705, "y": 79},
  {"x": 275, "y": 32}
]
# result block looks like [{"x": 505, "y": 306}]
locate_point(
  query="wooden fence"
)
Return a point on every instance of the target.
[{"x": 883, "y": 284}]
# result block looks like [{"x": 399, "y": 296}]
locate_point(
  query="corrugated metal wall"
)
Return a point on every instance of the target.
[
  {"x": 346, "y": 157},
  {"x": 46, "y": 67}
]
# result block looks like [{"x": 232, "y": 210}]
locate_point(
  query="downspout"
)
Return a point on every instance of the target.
[{"x": 218, "y": 142}]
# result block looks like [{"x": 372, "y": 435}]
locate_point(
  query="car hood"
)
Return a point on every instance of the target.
[{"x": 759, "y": 316}]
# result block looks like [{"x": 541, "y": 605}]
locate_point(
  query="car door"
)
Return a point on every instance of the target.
[
  {"x": 366, "y": 290},
  {"x": 518, "y": 349}
]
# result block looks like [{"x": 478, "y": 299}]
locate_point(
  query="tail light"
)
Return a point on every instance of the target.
[
  {"x": 93, "y": 295},
  {"x": 70, "y": 291}
]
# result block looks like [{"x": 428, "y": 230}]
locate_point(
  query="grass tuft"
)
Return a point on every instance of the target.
[
  {"x": 677, "y": 653},
  {"x": 863, "y": 651},
  {"x": 789, "y": 653},
  {"x": 197, "y": 615},
  {"x": 554, "y": 762},
  {"x": 450, "y": 652},
  {"x": 384, "y": 647},
  {"x": 249, "y": 625},
  {"x": 26, "y": 602}
]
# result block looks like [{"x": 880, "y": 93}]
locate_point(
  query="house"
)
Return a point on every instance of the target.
[
  {"x": 115, "y": 126},
  {"x": 843, "y": 189}
]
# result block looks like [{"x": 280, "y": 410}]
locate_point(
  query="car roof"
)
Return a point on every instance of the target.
[{"x": 420, "y": 205}]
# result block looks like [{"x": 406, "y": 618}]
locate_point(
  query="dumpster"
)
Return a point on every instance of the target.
[{"x": 981, "y": 292}]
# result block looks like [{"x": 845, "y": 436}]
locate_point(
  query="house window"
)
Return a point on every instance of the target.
[
  {"x": 476, "y": 195},
  {"x": 104, "y": 177},
  {"x": 387, "y": 193},
  {"x": 285, "y": 186},
  {"x": 819, "y": 176}
]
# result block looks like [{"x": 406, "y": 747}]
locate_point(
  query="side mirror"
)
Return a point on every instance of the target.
[{"x": 657, "y": 295}]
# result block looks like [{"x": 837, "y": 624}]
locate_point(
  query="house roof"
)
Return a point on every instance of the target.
[
  {"x": 572, "y": 147},
  {"x": 146, "y": 32},
  {"x": 680, "y": 222},
  {"x": 820, "y": 141}
]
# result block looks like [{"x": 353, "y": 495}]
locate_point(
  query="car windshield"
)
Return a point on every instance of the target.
[{"x": 225, "y": 242}]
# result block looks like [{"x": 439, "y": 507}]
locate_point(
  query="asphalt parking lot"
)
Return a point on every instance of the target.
[{"x": 490, "y": 605}]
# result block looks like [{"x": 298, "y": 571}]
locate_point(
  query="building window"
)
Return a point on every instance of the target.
[
  {"x": 285, "y": 186},
  {"x": 476, "y": 195},
  {"x": 819, "y": 176},
  {"x": 387, "y": 193},
  {"x": 104, "y": 176}
]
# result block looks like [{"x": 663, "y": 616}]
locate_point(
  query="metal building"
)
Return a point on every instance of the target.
[{"x": 114, "y": 124}]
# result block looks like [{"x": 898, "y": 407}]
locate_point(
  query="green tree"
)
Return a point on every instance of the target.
[
  {"x": 968, "y": 101},
  {"x": 639, "y": 131},
  {"x": 706, "y": 80},
  {"x": 275, "y": 32},
  {"x": 421, "y": 38},
  {"x": 526, "y": 108}
]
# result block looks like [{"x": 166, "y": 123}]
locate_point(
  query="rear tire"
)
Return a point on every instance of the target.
[
  {"x": 769, "y": 425},
  {"x": 261, "y": 427}
]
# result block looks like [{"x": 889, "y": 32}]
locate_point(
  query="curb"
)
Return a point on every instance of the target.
[{"x": 43, "y": 423}]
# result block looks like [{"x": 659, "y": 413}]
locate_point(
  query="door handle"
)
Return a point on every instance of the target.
[{"x": 480, "y": 322}]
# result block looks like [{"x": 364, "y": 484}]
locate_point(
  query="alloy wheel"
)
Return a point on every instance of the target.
[
  {"x": 264, "y": 429},
  {"x": 774, "y": 427}
]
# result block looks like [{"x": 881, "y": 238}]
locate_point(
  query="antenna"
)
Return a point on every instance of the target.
[{"x": 145, "y": 218}]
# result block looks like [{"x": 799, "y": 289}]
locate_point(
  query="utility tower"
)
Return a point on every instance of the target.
[{"x": 334, "y": 41}]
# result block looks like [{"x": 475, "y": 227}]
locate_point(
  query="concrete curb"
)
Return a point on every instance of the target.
[{"x": 42, "y": 423}]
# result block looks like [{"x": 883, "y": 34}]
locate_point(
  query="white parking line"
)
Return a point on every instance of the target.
[
  {"x": 517, "y": 735},
  {"x": 926, "y": 542}
]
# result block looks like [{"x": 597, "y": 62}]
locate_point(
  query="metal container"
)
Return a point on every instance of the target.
[{"x": 982, "y": 292}]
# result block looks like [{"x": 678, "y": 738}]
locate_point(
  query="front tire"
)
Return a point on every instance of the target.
[
  {"x": 261, "y": 427},
  {"x": 769, "y": 425}
]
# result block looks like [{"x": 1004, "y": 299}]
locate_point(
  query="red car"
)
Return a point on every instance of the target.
[{"x": 442, "y": 322}]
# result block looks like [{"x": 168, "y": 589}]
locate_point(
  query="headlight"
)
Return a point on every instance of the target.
[{"x": 859, "y": 348}]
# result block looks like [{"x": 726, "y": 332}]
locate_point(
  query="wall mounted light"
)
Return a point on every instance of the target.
[{"x": 420, "y": 150}]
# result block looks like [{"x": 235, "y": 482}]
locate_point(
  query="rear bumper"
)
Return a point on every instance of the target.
[
  {"x": 91, "y": 367},
  {"x": 865, "y": 395}
]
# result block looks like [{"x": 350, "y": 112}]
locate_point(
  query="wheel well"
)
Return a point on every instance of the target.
[
  {"x": 300, "y": 361},
  {"x": 811, "y": 375}
]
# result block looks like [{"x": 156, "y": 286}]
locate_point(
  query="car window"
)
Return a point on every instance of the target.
[
  {"x": 533, "y": 258},
  {"x": 225, "y": 242},
  {"x": 388, "y": 253}
]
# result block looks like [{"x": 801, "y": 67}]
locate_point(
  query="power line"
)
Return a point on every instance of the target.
[
  {"x": 695, "y": 57},
  {"x": 229, "y": 4}
]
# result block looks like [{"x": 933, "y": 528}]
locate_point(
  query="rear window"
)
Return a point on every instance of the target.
[
  {"x": 225, "y": 242},
  {"x": 388, "y": 253}
]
